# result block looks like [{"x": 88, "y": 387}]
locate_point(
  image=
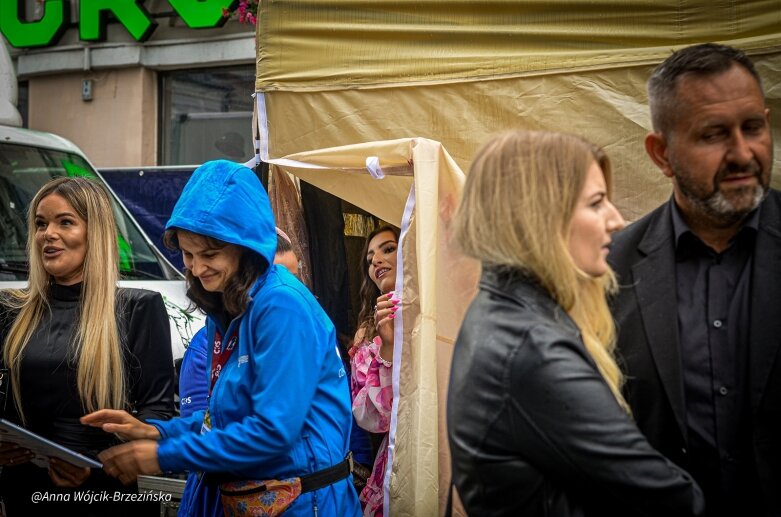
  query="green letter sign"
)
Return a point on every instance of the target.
[
  {"x": 93, "y": 17},
  {"x": 45, "y": 31},
  {"x": 93, "y": 13},
  {"x": 201, "y": 14}
]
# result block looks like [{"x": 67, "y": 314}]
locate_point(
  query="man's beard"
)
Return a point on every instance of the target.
[{"x": 716, "y": 206}]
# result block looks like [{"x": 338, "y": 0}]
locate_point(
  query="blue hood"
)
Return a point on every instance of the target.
[{"x": 226, "y": 201}]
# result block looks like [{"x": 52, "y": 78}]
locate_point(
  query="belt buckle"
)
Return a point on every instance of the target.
[{"x": 350, "y": 463}]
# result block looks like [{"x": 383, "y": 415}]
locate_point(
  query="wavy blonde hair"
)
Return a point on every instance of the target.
[
  {"x": 523, "y": 187},
  {"x": 96, "y": 345}
]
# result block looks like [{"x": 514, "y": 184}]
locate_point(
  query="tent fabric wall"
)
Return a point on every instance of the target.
[
  {"x": 346, "y": 72},
  {"x": 343, "y": 44},
  {"x": 438, "y": 283}
]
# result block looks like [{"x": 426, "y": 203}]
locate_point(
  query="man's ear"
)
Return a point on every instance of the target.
[{"x": 656, "y": 147}]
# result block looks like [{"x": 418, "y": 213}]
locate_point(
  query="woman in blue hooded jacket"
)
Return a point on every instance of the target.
[{"x": 277, "y": 426}]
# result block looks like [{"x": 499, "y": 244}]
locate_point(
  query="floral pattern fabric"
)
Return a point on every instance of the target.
[
  {"x": 268, "y": 498},
  {"x": 372, "y": 391}
]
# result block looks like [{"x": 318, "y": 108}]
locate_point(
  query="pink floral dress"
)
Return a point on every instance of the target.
[{"x": 372, "y": 391}]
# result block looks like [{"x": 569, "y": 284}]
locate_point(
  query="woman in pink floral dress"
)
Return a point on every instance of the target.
[{"x": 371, "y": 355}]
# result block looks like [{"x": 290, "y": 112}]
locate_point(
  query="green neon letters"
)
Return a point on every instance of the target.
[
  {"x": 201, "y": 14},
  {"x": 94, "y": 16},
  {"x": 41, "y": 33}
]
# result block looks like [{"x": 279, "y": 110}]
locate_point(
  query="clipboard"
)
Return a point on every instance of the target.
[{"x": 42, "y": 447}]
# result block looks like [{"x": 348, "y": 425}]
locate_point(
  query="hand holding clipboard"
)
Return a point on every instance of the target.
[{"x": 41, "y": 448}]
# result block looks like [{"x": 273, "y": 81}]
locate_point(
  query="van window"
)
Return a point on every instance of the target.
[{"x": 24, "y": 170}]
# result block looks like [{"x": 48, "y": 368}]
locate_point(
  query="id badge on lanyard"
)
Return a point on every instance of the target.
[{"x": 221, "y": 352}]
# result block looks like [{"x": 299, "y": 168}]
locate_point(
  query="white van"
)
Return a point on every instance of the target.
[{"x": 28, "y": 159}]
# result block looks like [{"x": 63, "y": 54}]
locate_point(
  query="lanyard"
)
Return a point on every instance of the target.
[{"x": 221, "y": 354}]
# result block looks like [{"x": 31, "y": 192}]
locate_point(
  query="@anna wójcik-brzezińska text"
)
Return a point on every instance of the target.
[{"x": 101, "y": 496}]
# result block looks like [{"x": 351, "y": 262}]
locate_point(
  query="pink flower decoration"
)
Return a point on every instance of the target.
[{"x": 244, "y": 11}]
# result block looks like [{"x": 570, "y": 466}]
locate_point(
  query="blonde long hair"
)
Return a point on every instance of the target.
[
  {"x": 523, "y": 187},
  {"x": 96, "y": 345}
]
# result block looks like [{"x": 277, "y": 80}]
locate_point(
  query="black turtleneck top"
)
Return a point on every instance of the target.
[{"x": 50, "y": 397}]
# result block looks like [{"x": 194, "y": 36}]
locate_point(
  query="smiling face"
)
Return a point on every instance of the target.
[
  {"x": 719, "y": 151},
  {"x": 381, "y": 260},
  {"x": 212, "y": 266},
  {"x": 61, "y": 238},
  {"x": 593, "y": 221}
]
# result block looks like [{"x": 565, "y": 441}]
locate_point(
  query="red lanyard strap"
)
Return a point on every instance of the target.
[{"x": 221, "y": 354}]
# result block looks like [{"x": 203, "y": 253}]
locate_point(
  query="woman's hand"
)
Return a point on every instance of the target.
[
  {"x": 63, "y": 474},
  {"x": 122, "y": 424},
  {"x": 12, "y": 454},
  {"x": 129, "y": 460},
  {"x": 384, "y": 313}
]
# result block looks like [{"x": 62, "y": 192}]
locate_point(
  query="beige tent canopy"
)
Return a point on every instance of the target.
[
  {"x": 348, "y": 71},
  {"x": 397, "y": 73}
]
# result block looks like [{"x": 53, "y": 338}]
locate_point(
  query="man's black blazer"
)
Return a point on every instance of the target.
[{"x": 643, "y": 257}]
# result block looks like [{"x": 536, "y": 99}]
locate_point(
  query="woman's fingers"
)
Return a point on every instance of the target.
[
  {"x": 12, "y": 454},
  {"x": 107, "y": 457},
  {"x": 104, "y": 416},
  {"x": 385, "y": 315},
  {"x": 387, "y": 305},
  {"x": 385, "y": 301},
  {"x": 56, "y": 478},
  {"x": 386, "y": 308},
  {"x": 125, "y": 462},
  {"x": 119, "y": 429},
  {"x": 64, "y": 474},
  {"x": 120, "y": 423}
]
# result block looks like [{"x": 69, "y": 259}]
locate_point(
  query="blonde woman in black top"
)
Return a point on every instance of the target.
[{"x": 73, "y": 343}]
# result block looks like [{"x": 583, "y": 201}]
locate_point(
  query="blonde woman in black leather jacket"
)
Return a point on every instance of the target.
[{"x": 536, "y": 420}]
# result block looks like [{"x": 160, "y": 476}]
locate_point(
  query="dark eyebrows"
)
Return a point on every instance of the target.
[
  {"x": 370, "y": 253},
  {"x": 200, "y": 251},
  {"x": 757, "y": 118}
]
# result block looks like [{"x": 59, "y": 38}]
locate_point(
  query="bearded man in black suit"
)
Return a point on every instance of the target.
[{"x": 697, "y": 311}]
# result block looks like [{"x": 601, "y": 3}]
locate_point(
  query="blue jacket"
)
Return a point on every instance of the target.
[
  {"x": 194, "y": 375},
  {"x": 198, "y": 498},
  {"x": 281, "y": 406}
]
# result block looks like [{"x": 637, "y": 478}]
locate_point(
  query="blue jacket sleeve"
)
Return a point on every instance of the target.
[
  {"x": 193, "y": 387},
  {"x": 194, "y": 376},
  {"x": 179, "y": 426},
  {"x": 290, "y": 350}
]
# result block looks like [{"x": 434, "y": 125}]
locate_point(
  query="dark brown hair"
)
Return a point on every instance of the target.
[
  {"x": 705, "y": 60},
  {"x": 283, "y": 245},
  {"x": 369, "y": 290},
  {"x": 235, "y": 296}
]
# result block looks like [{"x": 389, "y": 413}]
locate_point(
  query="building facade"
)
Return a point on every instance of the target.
[{"x": 136, "y": 82}]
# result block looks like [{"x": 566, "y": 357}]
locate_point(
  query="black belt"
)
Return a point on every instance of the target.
[
  {"x": 325, "y": 477},
  {"x": 309, "y": 482}
]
